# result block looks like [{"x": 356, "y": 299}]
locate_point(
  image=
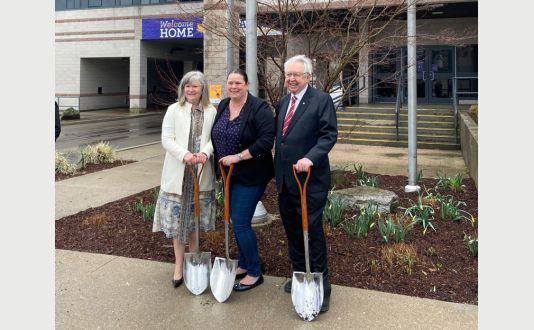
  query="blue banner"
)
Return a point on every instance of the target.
[{"x": 172, "y": 28}]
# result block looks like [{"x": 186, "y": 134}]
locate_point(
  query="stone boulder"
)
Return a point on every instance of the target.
[{"x": 361, "y": 196}]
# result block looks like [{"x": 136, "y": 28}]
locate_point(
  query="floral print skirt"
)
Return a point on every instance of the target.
[{"x": 169, "y": 219}]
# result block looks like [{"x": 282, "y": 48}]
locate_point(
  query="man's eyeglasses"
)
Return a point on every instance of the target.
[{"x": 296, "y": 75}]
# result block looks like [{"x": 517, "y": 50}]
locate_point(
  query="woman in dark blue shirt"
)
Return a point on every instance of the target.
[{"x": 243, "y": 134}]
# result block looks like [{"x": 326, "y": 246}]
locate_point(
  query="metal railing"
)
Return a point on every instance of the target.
[
  {"x": 62, "y": 104},
  {"x": 400, "y": 95},
  {"x": 455, "y": 100}
]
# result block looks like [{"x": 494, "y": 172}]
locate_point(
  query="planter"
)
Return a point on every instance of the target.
[{"x": 469, "y": 144}]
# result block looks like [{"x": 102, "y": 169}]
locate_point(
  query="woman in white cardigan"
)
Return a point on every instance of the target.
[{"x": 185, "y": 136}]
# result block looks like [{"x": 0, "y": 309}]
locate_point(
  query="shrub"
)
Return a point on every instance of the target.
[
  {"x": 358, "y": 169},
  {"x": 421, "y": 212},
  {"x": 396, "y": 227},
  {"x": 70, "y": 113},
  {"x": 98, "y": 153},
  {"x": 432, "y": 198},
  {"x": 63, "y": 166},
  {"x": 404, "y": 225},
  {"x": 450, "y": 209},
  {"x": 333, "y": 209},
  {"x": 147, "y": 210},
  {"x": 370, "y": 181},
  {"x": 472, "y": 244},
  {"x": 473, "y": 112},
  {"x": 386, "y": 229},
  {"x": 359, "y": 226},
  {"x": 452, "y": 182},
  {"x": 363, "y": 179}
]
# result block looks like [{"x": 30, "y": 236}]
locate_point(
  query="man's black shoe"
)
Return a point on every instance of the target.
[
  {"x": 287, "y": 286},
  {"x": 326, "y": 305}
]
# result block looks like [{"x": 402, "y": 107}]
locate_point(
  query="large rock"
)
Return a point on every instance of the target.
[{"x": 361, "y": 196}]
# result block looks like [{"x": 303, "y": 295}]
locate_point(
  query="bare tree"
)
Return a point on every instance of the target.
[{"x": 334, "y": 34}]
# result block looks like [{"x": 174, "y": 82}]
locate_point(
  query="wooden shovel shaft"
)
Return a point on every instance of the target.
[
  {"x": 226, "y": 181},
  {"x": 304, "y": 210},
  {"x": 196, "y": 186}
]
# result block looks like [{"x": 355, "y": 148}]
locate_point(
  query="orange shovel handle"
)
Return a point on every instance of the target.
[
  {"x": 303, "y": 204},
  {"x": 226, "y": 180}
]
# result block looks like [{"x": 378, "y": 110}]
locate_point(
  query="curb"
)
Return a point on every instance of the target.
[
  {"x": 138, "y": 146},
  {"x": 96, "y": 120}
]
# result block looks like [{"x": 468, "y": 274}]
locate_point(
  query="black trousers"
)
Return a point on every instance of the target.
[{"x": 291, "y": 214}]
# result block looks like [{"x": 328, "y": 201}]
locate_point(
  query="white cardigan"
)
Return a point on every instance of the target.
[{"x": 174, "y": 138}]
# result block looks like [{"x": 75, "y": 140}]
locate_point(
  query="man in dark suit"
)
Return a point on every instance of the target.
[{"x": 306, "y": 131}]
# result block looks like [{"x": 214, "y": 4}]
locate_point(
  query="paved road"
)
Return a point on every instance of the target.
[{"x": 121, "y": 133}]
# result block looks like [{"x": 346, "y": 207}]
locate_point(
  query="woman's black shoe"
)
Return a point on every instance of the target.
[
  {"x": 245, "y": 287},
  {"x": 240, "y": 276},
  {"x": 177, "y": 283}
]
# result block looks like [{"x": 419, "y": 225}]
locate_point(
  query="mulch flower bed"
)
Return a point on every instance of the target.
[{"x": 435, "y": 265}]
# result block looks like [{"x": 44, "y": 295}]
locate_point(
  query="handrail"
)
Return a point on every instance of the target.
[
  {"x": 455, "y": 101},
  {"x": 59, "y": 103},
  {"x": 400, "y": 95}
]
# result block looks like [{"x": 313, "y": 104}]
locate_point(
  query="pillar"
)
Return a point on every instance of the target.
[{"x": 138, "y": 80}]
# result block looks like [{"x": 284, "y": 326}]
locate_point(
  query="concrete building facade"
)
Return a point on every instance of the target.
[{"x": 119, "y": 53}]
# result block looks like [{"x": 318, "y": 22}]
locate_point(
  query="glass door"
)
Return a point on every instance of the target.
[
  {"x": 435, "y": 69},
  {"x": 434, "y": 74},
  {"x": 441, "y": 71}
]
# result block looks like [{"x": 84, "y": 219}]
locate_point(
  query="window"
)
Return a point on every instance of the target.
[
  {"x": 125, "y": 2},
  {"x": 467, "y": 59},
  {"x": 95, "y": 3}
]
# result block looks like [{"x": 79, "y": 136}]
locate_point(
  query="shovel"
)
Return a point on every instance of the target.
[
  {"x": 224, "y": 270},
  {"x": 197, "y": 265},
  {"x": 306, "y": 288}
]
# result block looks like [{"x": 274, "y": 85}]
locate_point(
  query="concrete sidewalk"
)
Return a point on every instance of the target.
[{"x": 110, "y": 292}]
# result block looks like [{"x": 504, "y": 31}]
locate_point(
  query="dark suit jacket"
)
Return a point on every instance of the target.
[
  {"x": 311, "y": 133},
  {"x": 256, "y": 133}
]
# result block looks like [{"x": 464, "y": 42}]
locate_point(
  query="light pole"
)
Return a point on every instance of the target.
[
  {"x": 230, "y": 39},
  {"x": 412, "y": 100},
  {"x": 251, "y": 48}
]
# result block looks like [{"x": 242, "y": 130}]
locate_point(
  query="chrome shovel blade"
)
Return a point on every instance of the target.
[
  {"x": 197, "y": 268},
  {"x": 222, "y": 278},
  {"x": 307, "y": 294}
]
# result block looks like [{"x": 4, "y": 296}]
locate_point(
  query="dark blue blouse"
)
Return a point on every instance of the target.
[{"x": 226, "y": 135}]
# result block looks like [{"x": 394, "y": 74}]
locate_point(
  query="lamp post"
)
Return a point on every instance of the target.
[
  {"x": 229, "y": 40},
  {"x": 251, "y": 48},
  {"x": 412, "y": 100}
]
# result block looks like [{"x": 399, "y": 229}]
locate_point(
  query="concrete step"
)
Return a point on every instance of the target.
[
  {"x": 391, "y": 109},
  {"x": 386, "y": 136},
  {"x": 401, "y": 144},
  {"x": 391, "y": 122},
  {"x": 375, "y": 125},
  {"x": 391, "y": 129},
  {"x": 391, "y": 116}
]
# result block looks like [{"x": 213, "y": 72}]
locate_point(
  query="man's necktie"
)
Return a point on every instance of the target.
[{"x": 289, "y": 115}]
